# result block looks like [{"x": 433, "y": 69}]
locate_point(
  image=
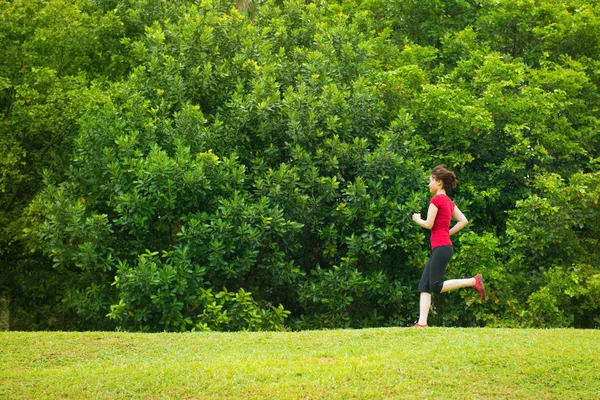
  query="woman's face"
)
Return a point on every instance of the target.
[{"x": 434, "y": 185}]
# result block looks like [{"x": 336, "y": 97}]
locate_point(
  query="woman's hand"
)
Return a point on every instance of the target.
[{"x": 431, "y": 214}]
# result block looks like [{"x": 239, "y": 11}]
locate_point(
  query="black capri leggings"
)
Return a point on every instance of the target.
[{"x": 432, "y": 279}]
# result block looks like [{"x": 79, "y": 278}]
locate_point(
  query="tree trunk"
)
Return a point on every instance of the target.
[
  {"x": 242, "y": 5},
  {"x": 4, "y": 313}
]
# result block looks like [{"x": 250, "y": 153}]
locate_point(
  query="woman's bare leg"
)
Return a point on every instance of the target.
[
  {"x": 425, "y": 305},
  {"x": 454, "y": 284}
]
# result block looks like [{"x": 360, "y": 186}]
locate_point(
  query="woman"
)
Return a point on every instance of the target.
[{"x": 441, "y": 210}]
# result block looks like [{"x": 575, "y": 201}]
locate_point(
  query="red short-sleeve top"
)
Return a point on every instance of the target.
[{"x": 440, "y": 232}]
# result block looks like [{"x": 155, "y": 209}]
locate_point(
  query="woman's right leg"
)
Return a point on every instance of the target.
[
  {"x": 432, "y": 279},
  {"x": 425, "y": 295},
  {"x": 424, "y": 306}
]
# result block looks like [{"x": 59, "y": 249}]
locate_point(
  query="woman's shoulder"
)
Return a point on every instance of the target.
[{"x": 440, "y": 199}]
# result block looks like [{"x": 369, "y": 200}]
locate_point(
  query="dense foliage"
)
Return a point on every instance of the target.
[{"x": 177, "y": 165}]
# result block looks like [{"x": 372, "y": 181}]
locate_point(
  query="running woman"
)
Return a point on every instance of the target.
[{"x": 440, "y": 212}]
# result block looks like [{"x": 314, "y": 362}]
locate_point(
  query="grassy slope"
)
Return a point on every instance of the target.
[{"x": 372, "y": 363}]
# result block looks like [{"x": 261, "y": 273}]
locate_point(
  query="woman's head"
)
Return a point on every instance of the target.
[{"x": 445, "y": 176}]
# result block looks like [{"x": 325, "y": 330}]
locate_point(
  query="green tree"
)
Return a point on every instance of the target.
[
  {"x": 52, "y": 51},
  {"x": 553, "y": 242},
  {"x": 211, "y": 168}
]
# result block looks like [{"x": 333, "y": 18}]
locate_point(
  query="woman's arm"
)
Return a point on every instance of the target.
[
  {"x": 431, "y": 214},
  {"x": 461, "y": 221}
]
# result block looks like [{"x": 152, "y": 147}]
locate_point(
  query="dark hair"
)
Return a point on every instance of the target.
[{"x": 440, "y": 173}]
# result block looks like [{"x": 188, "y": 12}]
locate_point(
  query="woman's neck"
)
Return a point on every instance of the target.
[{"x": 440, "y": 191}]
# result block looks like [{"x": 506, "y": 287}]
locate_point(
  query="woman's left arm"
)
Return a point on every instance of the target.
[
  {"x": 431, "y": 214},
  {"x": 461, "y": 221}
]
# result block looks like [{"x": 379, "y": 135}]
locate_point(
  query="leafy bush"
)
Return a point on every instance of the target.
[
  {"x": 169, "y": 292},
  {"x": 281, "y": 151}
]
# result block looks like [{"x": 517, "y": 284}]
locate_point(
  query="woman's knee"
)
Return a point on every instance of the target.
[{"x": 437, "y": 286}]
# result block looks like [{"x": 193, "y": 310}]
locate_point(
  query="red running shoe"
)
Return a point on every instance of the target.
[
  {"x": 479, "y": 286},
  {"x": 420, "y": 326}
]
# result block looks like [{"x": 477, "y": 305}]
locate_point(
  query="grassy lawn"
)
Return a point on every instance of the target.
[{"x": 341, "y": 364}]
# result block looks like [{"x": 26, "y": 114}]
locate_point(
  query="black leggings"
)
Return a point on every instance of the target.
[{"x": 432, "y": 279}]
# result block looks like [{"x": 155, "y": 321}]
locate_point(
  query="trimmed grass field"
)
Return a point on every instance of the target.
[{"x": 386, "y": 363}]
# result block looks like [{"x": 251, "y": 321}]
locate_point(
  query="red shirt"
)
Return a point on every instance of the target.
[{"x": 440, "y": 232}]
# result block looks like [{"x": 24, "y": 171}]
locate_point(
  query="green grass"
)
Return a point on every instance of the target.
[{"x": 342, "y": 364}]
